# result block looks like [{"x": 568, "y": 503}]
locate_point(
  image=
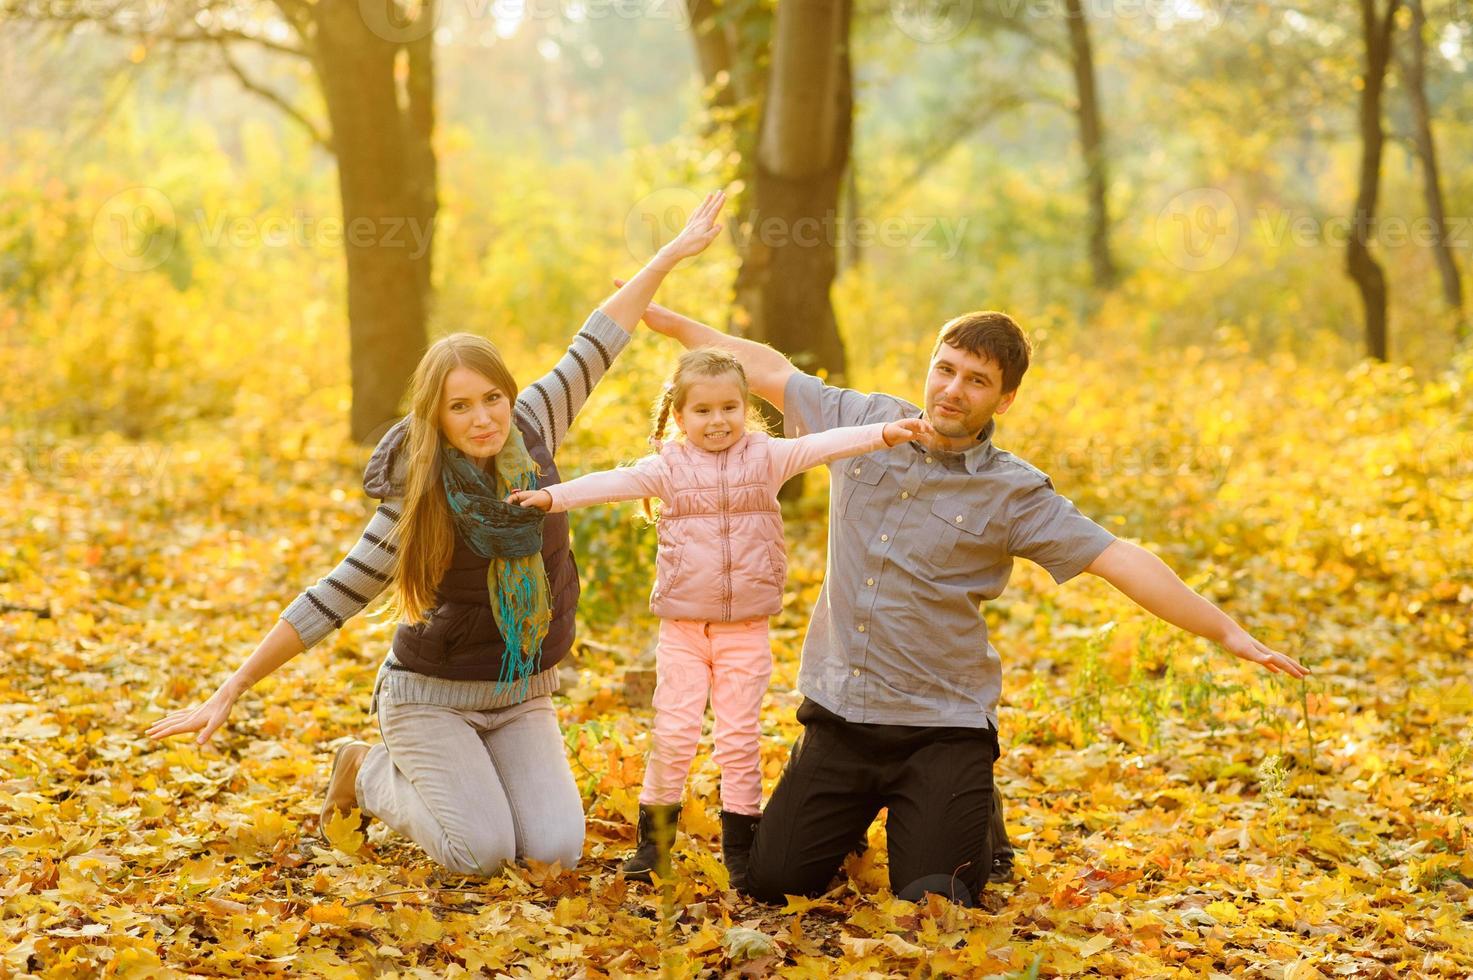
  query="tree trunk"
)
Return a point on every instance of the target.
[
  {"x": 713, "y": 53},
  {"x": 387, "y": 195},
  {"x": 790, "y": 258},
  {"x": 1092, "y": 143},
  {"x": 419, "y": 131},
  {"x": 1359, "y": 263},
  {"x": 1414, "y": 71}
]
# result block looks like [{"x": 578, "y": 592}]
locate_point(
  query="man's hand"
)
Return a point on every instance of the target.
[
  {"x": 663, "y": 321},
  {"x": 1146, "y": 580},
  {"x": 1241, "y": 644}
]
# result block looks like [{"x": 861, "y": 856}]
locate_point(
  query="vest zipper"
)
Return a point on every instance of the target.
[{"x": 726, "y": 587}]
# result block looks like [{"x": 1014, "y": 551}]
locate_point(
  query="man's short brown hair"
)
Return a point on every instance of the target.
[{"x": 992, "y": 335}]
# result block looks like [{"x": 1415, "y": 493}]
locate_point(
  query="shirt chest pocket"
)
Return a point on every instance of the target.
[
  {"x": 862, "y": 477},
  {"x": 956, "y": 529}
]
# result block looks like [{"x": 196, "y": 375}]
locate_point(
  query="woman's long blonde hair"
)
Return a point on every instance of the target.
[{"x": 425, "y": 534}]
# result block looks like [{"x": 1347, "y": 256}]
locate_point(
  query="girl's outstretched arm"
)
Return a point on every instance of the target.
[
  {"x": 792, "y": 456},
  {"x": 553, "y": 401},
  {"x": 645, "y": 478}
]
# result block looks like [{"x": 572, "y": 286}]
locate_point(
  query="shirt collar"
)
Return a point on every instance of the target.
[{"x": 974, "y": 458}]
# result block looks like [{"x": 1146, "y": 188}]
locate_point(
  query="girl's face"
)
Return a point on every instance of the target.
[
  {"x": 475, "y": 414},
  {"x": 714, "y": 415}
]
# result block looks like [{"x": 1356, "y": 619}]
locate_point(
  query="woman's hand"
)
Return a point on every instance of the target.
[
  {"x": 540, "y": 499},
  {"x": 907, "y": 429},
  {"x": 204, "y": 718},
  {"x": 700, "y": 230}
]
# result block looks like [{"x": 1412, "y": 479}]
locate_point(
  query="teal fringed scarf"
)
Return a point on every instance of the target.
[{"x": 511, "y": 537}]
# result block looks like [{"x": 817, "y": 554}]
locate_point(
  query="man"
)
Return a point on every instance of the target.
[{"x": 900, "y": 684}]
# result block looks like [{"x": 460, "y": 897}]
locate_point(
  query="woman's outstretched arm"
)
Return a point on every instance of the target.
[
  {"x": 553, "y": 401},
  {"x": 279, "y": 646},
  {"x": 357, "y": 580}
]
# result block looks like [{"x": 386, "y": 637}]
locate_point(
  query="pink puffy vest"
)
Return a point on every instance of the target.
[{"x": 721, "y": 557}]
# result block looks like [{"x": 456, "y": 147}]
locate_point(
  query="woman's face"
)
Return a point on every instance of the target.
[{"x": 475, "y": 414}]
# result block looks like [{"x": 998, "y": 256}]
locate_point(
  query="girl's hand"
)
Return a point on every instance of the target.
[
  {"x": 204, "y": 718},
  {"x": 699, "y": 231},
  {"x": 540, "y": 499},
  {"x": 907, "y": 429}
]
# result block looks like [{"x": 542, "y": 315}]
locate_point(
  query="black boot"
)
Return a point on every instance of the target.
[
  {"x": 738, "y": 830},
  {"x": 656, "y": 838}
]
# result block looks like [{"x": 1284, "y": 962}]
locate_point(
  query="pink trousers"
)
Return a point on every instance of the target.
[{"x": 731, "y": 664}]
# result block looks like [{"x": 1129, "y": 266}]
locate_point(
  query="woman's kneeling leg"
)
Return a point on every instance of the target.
[{"x": 433, "y": 781}]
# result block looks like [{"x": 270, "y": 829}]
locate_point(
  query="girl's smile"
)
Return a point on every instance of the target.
[{"x": 714, "y": 416}]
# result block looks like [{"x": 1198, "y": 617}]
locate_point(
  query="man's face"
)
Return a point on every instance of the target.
[{"x": 963, "y": 392}]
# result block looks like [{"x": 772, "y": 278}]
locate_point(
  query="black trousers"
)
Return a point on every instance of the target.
[{"x": 935, "y": 781}]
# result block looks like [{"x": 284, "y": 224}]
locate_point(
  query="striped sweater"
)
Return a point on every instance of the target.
[{"x": 549, "y": 404}]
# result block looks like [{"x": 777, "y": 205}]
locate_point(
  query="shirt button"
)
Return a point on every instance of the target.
[
  {"x": 861, "y": 627},
  {"x": 869, "y": 581},
  {"x": 856, "y": 671},
  {"x": 856, "y": 470},
  {"x": 884, "y": 537},
  {"x": 958, "y": 518},
  {"x": 929, "y": 459},
  {"x": 905, "y": 495}
]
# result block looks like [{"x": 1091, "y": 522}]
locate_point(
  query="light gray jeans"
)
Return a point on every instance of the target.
[{"x": 475, "y": 789}]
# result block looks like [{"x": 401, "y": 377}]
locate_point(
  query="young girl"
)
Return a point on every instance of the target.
[{"x": 720, "y": 570}]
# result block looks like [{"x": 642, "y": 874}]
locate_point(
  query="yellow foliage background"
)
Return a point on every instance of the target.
[{"x": 175, "y": 465}]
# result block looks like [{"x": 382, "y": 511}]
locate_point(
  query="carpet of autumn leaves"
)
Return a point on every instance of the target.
[{"x": 1175, "y": 814}]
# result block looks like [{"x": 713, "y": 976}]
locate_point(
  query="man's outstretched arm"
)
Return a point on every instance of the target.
[
  {"x": 768, "y": 370},
  {"x": 1153, "y": 586}
]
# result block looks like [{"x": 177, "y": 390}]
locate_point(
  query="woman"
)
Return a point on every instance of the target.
[{"x": 472, "y": 765}]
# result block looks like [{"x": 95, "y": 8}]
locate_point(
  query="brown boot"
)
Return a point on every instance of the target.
[{"x": 342, "y": 796}]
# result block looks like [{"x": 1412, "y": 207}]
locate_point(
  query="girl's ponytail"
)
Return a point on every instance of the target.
[{"x": 657, "y": 433}]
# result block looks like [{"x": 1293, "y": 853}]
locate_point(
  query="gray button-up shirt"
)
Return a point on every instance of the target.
[{"x": 917, "y": 540}]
